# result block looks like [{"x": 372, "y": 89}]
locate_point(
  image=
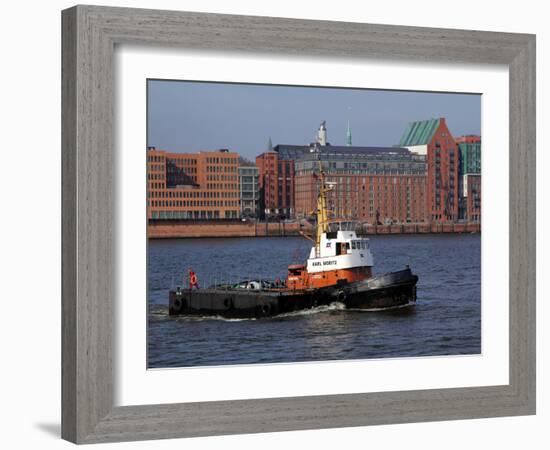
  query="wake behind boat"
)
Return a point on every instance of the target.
[{"x": 339, "y": 269}]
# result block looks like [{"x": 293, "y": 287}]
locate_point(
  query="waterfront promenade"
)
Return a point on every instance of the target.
[{"x": 170, "y": 229}]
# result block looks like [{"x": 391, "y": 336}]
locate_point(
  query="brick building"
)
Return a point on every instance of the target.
[
  {"x": 471, "y": 197},
  {"x": 430, "y": 176},
  {"x": 418, "y": 181},
  {"x": 372, "y": 184},
  {"x": 202, "y": 185},
  {"x": 433, "y": 139},
  {"x": 276, "y": 175},
  {"x": 276, "y": 184}
]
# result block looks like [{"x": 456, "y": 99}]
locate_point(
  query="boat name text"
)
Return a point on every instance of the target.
[{"x": 324, "y": 263}]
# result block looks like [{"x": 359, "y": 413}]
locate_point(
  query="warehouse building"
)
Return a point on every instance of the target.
[
  {"x": 198, "y": 186},
  {"x": 371, "y": 184},
  {"x": 433, "y": 139},
  {"x": 375, "y": 184}
]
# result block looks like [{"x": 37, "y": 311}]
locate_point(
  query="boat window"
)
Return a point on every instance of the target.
[
  {"x": 341, "y": 248},
  {"x": 353, "y": 245}
]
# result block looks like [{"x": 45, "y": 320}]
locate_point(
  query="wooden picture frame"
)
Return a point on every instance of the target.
[{"x": 90, "y": 34}]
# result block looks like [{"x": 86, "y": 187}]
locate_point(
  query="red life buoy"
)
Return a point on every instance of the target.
[{"x": 193, "y": 279}]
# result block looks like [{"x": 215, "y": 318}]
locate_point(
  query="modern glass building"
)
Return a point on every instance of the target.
[
  {"x": 249, "y": 191},
  {"x": 469, "y": 148},
  {"x": 470, "y": 154}
]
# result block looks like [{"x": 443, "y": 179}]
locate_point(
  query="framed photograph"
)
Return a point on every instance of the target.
[
  {"x": 268, "y": 230},
  {"x": 312, "y": 233}
]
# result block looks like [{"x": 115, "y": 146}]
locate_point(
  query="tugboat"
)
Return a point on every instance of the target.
[{"x": 339, "y": 269}]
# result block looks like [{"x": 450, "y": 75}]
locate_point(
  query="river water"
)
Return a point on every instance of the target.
[{"x": 445, "y": 321}]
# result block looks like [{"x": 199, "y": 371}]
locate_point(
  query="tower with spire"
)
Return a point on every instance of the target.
[
  {"x": 269, "y": 145},
  {"x": 348, "y": 136},
  {"x": 322, "y": 133}
]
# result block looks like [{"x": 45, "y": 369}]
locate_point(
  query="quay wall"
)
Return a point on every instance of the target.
[
  {"x": 166, "y": 229},
  {"x": 422, "y": 228},
  {"x": 179, "y": 229}
]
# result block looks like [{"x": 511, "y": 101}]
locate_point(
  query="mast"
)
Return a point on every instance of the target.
[{"x": 322, "y": 211}]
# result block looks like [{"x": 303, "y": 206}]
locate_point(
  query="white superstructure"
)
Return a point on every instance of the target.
[{"x": 340, "y": 248}]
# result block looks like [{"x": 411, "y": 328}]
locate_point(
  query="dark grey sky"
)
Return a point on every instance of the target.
[{"x": 192, "y": 116}]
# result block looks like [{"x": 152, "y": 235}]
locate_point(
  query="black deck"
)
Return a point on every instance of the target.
[{"x": 384, "y": 291}]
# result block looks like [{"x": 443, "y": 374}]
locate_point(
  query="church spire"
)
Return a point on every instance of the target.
[
  {"x": 269, "y": 145},
  {"x": 348, "y": 136}
]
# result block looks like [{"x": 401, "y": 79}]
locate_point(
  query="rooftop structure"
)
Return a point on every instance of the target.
[
  {"x": 419, "y": 133},
  {"x": 294, "y": 152}
]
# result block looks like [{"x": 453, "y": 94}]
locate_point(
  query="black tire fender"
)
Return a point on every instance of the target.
[
  {"x": 342, "y": 296},
  {"x": 228, "y": 303},
  {"x": 265, "y": 309}
]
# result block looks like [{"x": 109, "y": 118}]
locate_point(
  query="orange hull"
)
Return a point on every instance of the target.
[{"x": 299, "y": 278}]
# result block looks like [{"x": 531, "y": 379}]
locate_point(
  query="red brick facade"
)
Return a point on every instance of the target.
[
  {"x": 442, "y": 182},
  {"x": 202, "y": 185},
  {"x": 418, "y": 181},
  {"x": 472, "y": 188},
  {"x": 373, "y": 199},
  {"x": 276, "y": 183}
]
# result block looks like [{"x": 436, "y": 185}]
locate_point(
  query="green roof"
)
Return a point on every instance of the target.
[{"x": 419, "y": 133}]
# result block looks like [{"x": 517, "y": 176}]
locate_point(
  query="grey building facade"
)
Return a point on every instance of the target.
[{"x": 249, "y": 191}]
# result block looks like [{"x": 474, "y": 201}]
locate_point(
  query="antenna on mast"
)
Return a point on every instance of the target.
[{"x": 322, "y": 210}]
